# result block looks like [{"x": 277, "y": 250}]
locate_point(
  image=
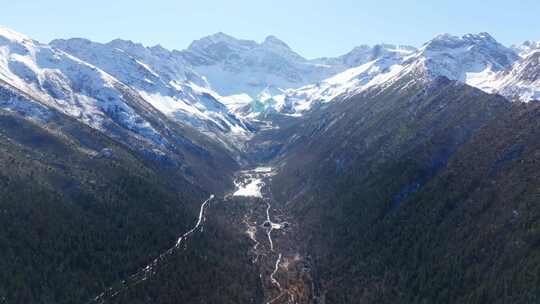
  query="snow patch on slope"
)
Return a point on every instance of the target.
[
  {"x": 165, "y": 80},
  {"x": 73, "y": 87},
  {"x": 475, "y": 59}
]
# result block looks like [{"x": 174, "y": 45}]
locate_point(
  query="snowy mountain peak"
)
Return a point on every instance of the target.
[
  {"x": 396, "y": 48},
  {"x": 522, "y": 82},
  {"x": 529, "y": 68},
  {"x": 234, "y": 66},
  {"x": 361, "y": 49},
  {"x": 158, "y": 48},
  {"x": 532, "y": 44},
  {"x": 448, "y": 41},
  {"x": 278, "y": 47},
  {"x": 72, "y": 41},
  {"x": 273, "y": 41},
  {"x": 476, "y": 59},
  {"x": 220, "y": 37},
  {"x": 480, "y": 37},
  {"x": 165, "y": 80},
  {"x": 12, "y": 35},
  {"x": 526, "y": 48},
  {"x": 190, "y": 84},
  {"x": 467, "y": 58},
  {"x": 220, "y": 41},
  {"x": 57, "y": 80},
  {"x": 365, "y": 53},
  {"x": 221, "y": 45},
  {"x": 127, "y": 45}
]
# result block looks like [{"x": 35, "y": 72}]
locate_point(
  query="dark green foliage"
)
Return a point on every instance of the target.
[
  {"x": 213, "y": 267},
  {"x": 418, "y": 193},
  {"x": 429, "y": 195},
  {"x": 74, "y": 220}
]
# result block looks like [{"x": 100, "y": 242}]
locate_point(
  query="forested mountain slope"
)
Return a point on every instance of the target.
[
  {"x": 81, "y": 212},
  {"x": 133, "y": 174},
  {"x": 420, "y": 193}
]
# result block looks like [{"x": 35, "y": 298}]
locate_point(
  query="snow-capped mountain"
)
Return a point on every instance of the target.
[
  {"x": 50, "y": 78},
  {"x": 48, "y": 86},
  {"x": 365, "y": 53},
  {"x": 359, "y": 68},
  {"x": 165, "y": 80},
  {"x": 219, "y": 78},
  {"x": 526, "y": 48},
  {"x": 469, "y": 59},
  {"x": 233, "y": 66},
  {"x": 251, "y": 77},
  {"x": 377, "y": 65},
  {"x": 482, "y": 62},
  {"x": 243, "y": 71},
  {"x": 475, "y": 59},
  {"x": 522, "y": 82}
]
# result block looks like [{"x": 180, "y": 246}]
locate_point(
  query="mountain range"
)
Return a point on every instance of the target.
[
  {"x": 219, "y": 79},
  {"x": 237, "y": 171}
]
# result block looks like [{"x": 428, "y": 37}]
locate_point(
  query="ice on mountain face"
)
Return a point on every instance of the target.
[
  {"x": 528, "y": 70},
  {"x": 263, "y": 105},
  {"x": 482, "y": 80}
]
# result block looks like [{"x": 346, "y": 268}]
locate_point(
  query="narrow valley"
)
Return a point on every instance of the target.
[
  {"x": 277, "y": 250},
  {"x": 235, "y": 171}
]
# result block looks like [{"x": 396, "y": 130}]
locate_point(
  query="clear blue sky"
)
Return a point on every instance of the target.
[{"x": 312, "y": 27}]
